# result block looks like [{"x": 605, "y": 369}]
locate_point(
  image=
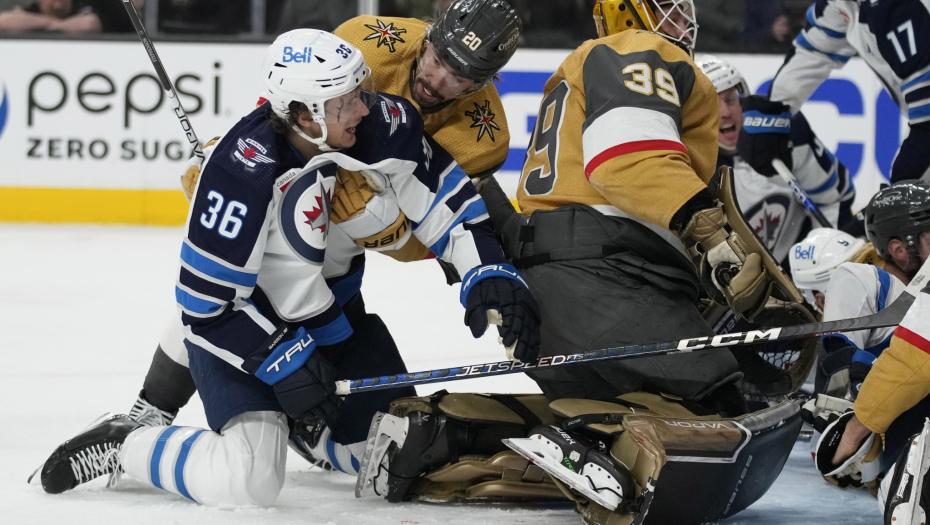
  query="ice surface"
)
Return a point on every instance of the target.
[{"x": 81, "y": 310}]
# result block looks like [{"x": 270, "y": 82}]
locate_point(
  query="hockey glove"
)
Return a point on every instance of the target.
[
  {"x": 302, "y": 379},
  {"x": 766, "y": 134},
  {"x": 518, "y": 311},
  {"x": 192, "y": 169},
  {"x": 731, "y": 274},
  {"x": 857, "y": 372}
]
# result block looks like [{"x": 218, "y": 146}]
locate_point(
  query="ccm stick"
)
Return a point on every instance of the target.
[
  {"x": 163, "y": 79},
  {"x": 890, "y": 316},
  {"x": 799, "y": 192}
]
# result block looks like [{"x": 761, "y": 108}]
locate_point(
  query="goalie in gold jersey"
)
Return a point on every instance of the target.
[{"x": 618, "y": 211}]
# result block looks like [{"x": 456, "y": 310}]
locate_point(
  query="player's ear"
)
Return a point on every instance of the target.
[
  {"x": 307, "y": 125},
  {"x": 897, "y": 250}
]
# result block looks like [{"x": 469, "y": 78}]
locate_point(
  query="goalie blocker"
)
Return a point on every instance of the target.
[{"x": 449, "y": 446}]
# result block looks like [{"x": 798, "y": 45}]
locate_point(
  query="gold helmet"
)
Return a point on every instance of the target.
[{"x": 676, "y": 19}]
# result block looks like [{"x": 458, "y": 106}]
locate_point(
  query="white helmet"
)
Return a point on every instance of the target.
[
  {"x": 721, "y": 74},
  {"x": 814, "y": 259},
  {"x": 313, "y": 66}
]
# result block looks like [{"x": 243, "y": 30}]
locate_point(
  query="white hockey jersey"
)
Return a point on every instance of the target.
[
  {"x": 770, "y": 206},
  {"x": 892, "y": 36},
  {"x": 856, "y": 290}
]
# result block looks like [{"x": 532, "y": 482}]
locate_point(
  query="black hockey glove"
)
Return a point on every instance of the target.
[
  {"x": 857, "y": 372},
  {"x": 519, "y": 313},
  {"x": 302, "y": 379},
  {"x": 766, "y": 134}
]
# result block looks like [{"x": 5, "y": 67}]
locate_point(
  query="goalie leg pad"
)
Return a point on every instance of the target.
[
  {"x": 439, "y": 432},
  {"x": 901, "y": 496}
]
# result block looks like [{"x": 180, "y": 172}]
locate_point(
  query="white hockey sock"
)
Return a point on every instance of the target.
[
  {"x": 242, "y": 465},
  {"x": 344, "y": 458}
]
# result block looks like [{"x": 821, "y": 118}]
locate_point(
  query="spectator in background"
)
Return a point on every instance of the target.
[
  {"x": 217, "y": 17},
  {"x": 771, "y": 25},
  {"x": 68, "y": 16},
  {"x": 721, "y": 24},
  {"x": 325, "y": 15}
]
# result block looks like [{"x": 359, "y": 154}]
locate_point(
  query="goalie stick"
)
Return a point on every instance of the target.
[
  {"x": 164, "y": 80},
  {"x": 890, "y": 316}
]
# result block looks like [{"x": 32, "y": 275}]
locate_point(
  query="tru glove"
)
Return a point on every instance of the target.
[
  {"x": 302, "y": 379},
  {"x": 766, "y": 134},
  {"x": 519, "y": 313}
]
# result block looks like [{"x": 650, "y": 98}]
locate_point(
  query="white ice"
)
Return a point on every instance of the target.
[{"x": 81, "y": 310}]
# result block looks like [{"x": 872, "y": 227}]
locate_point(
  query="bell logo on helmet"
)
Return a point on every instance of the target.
[
  {"x": 387, "y": 35},
  {"x": 803, "y": 253},
  {"x": 483, "y": 119},
  {"x": 301, "y": 56}
]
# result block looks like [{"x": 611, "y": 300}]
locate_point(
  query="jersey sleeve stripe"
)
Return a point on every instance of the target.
[
  {"x": 452, "y": 181},
  {"x": 921, "y": 111},
  {"x": 913, "y": 339},
  {"x": 914, "y": 84},
  {"x": 626, "y": 125},
  {"x": 215, "y": 269},
  {"x": 802, "y": 41},
  {"x": 862, "y": 356},
  {"x": 193, "y": 302},
  {"x": 884, "y": 281},
  {"x": 475, "y": 209},
  {"x": 813, "y": 22},
  {"x": 918, "y": 93},
  {"x": 633, "y": 147}
]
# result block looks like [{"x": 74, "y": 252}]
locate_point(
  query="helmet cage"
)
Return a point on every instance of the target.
[{"x": 614, "y": 16}]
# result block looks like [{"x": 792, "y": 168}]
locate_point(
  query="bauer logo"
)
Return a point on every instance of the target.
[
  {"x": 300, "y": 56},
  {"x": 4, "y": 110}
]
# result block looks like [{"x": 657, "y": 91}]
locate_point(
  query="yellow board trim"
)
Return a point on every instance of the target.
[{"x": 55, "y": 205}]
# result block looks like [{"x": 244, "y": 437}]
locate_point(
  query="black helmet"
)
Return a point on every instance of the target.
[
  {"x": 900, "y": 211},
  {"x": 476, "y": 37}
]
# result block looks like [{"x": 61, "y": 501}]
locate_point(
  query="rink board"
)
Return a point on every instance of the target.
[{"x": 89, "y": 116}]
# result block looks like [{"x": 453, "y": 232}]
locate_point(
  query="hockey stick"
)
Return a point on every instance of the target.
[
  {"x": 163, "y": 79},
  {"x": 799, "y": 192},
  {"x": 890, "y": 316}
]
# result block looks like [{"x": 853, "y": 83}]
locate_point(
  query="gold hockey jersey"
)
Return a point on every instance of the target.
[
  {"x": 472, "y": 129},
  {"x": 628, "y": 125}
]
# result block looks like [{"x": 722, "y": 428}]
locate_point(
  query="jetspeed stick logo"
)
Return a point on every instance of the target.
[{"x": 4, "y": 109}]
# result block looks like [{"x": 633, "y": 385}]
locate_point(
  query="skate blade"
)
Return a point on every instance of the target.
[
  {"x": 385, "y": 430},
  {"x": 524, "y": 446},
  {"x": 35, "y": 479}
]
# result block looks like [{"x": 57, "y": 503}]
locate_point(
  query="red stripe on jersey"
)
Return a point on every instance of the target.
[
  {"x": 912, "y": 338},
  {"x": 632, "y": 147},
  {"x": 261, "y": 100}
]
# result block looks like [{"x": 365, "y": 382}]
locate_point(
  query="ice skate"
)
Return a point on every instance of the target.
[
  {"x": 903, "y": 491},
  {"x": 149, "y": 415},
  {"x": 92, "y": 453},
  {"x": 578, "y": 463}
]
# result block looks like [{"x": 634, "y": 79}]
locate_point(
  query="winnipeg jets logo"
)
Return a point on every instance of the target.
[
  {"x": 251, "y": 153},
  {"x": 483, "y": 119},
  {"x": 387, "y": 35},
  {"x": 393, "y": 113},
  {"x": 767, "y": 218},
  {"x": 319, "y": 215}
]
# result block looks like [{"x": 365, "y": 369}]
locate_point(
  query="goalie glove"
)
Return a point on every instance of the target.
[
  {"x": 731, "y": 273},
  {"x": 766, "y": 134},
  {"x": 860, "y": 468}
]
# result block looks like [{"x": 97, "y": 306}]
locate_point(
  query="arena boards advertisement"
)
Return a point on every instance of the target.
[{"x": 87, "y": 135}]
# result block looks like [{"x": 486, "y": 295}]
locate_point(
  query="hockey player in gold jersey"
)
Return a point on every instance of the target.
[
  {"x": 617, "y": 213},
  {"x": 447, "y": 69}
]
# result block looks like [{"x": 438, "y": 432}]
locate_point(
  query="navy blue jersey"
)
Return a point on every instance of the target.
[{"x": 260, "y": 248}]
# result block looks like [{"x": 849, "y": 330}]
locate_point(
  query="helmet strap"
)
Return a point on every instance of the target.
[{"x": 318, "y": 142}]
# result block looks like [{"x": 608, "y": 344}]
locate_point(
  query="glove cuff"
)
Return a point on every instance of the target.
[{"x": 480, "y": 273}]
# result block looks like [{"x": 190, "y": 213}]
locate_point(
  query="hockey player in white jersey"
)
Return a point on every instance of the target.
[
  {"x": 892, "y": 36},
  {"x": 766, "y": 201},
  {"x": 814, "y": 260},
  {"x": 266, "y": 334}
]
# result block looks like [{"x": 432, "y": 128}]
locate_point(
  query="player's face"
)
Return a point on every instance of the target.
[
  {"x": 673, "y": 20},
  {"x": 923, "y": 246},
  {"x": 731, "y": 117},
  {"x": 343, "y": 114},
  {"x": 435, "y": 83}
]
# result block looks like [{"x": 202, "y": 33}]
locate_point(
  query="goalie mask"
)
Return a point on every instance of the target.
[
  {"x": 314, "y": 67},
  {"x": 672, "y": 19}
]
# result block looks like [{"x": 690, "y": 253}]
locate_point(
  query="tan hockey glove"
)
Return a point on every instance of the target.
[
  {"x": 192, "y": 169},
  {"x": 726, "y": 264},
  {"x": 367, "y": 210}
]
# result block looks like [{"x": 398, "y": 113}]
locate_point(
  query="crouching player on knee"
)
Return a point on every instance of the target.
[
  {"x": 892, "y": 406},
  {"x": 620, "y": 232},
  {"x": 266, "y": 335}
]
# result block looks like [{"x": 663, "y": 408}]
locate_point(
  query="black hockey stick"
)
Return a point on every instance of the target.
[
  {"x": 163, "y": 79},
  {"x": 890, "y": 316}
]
